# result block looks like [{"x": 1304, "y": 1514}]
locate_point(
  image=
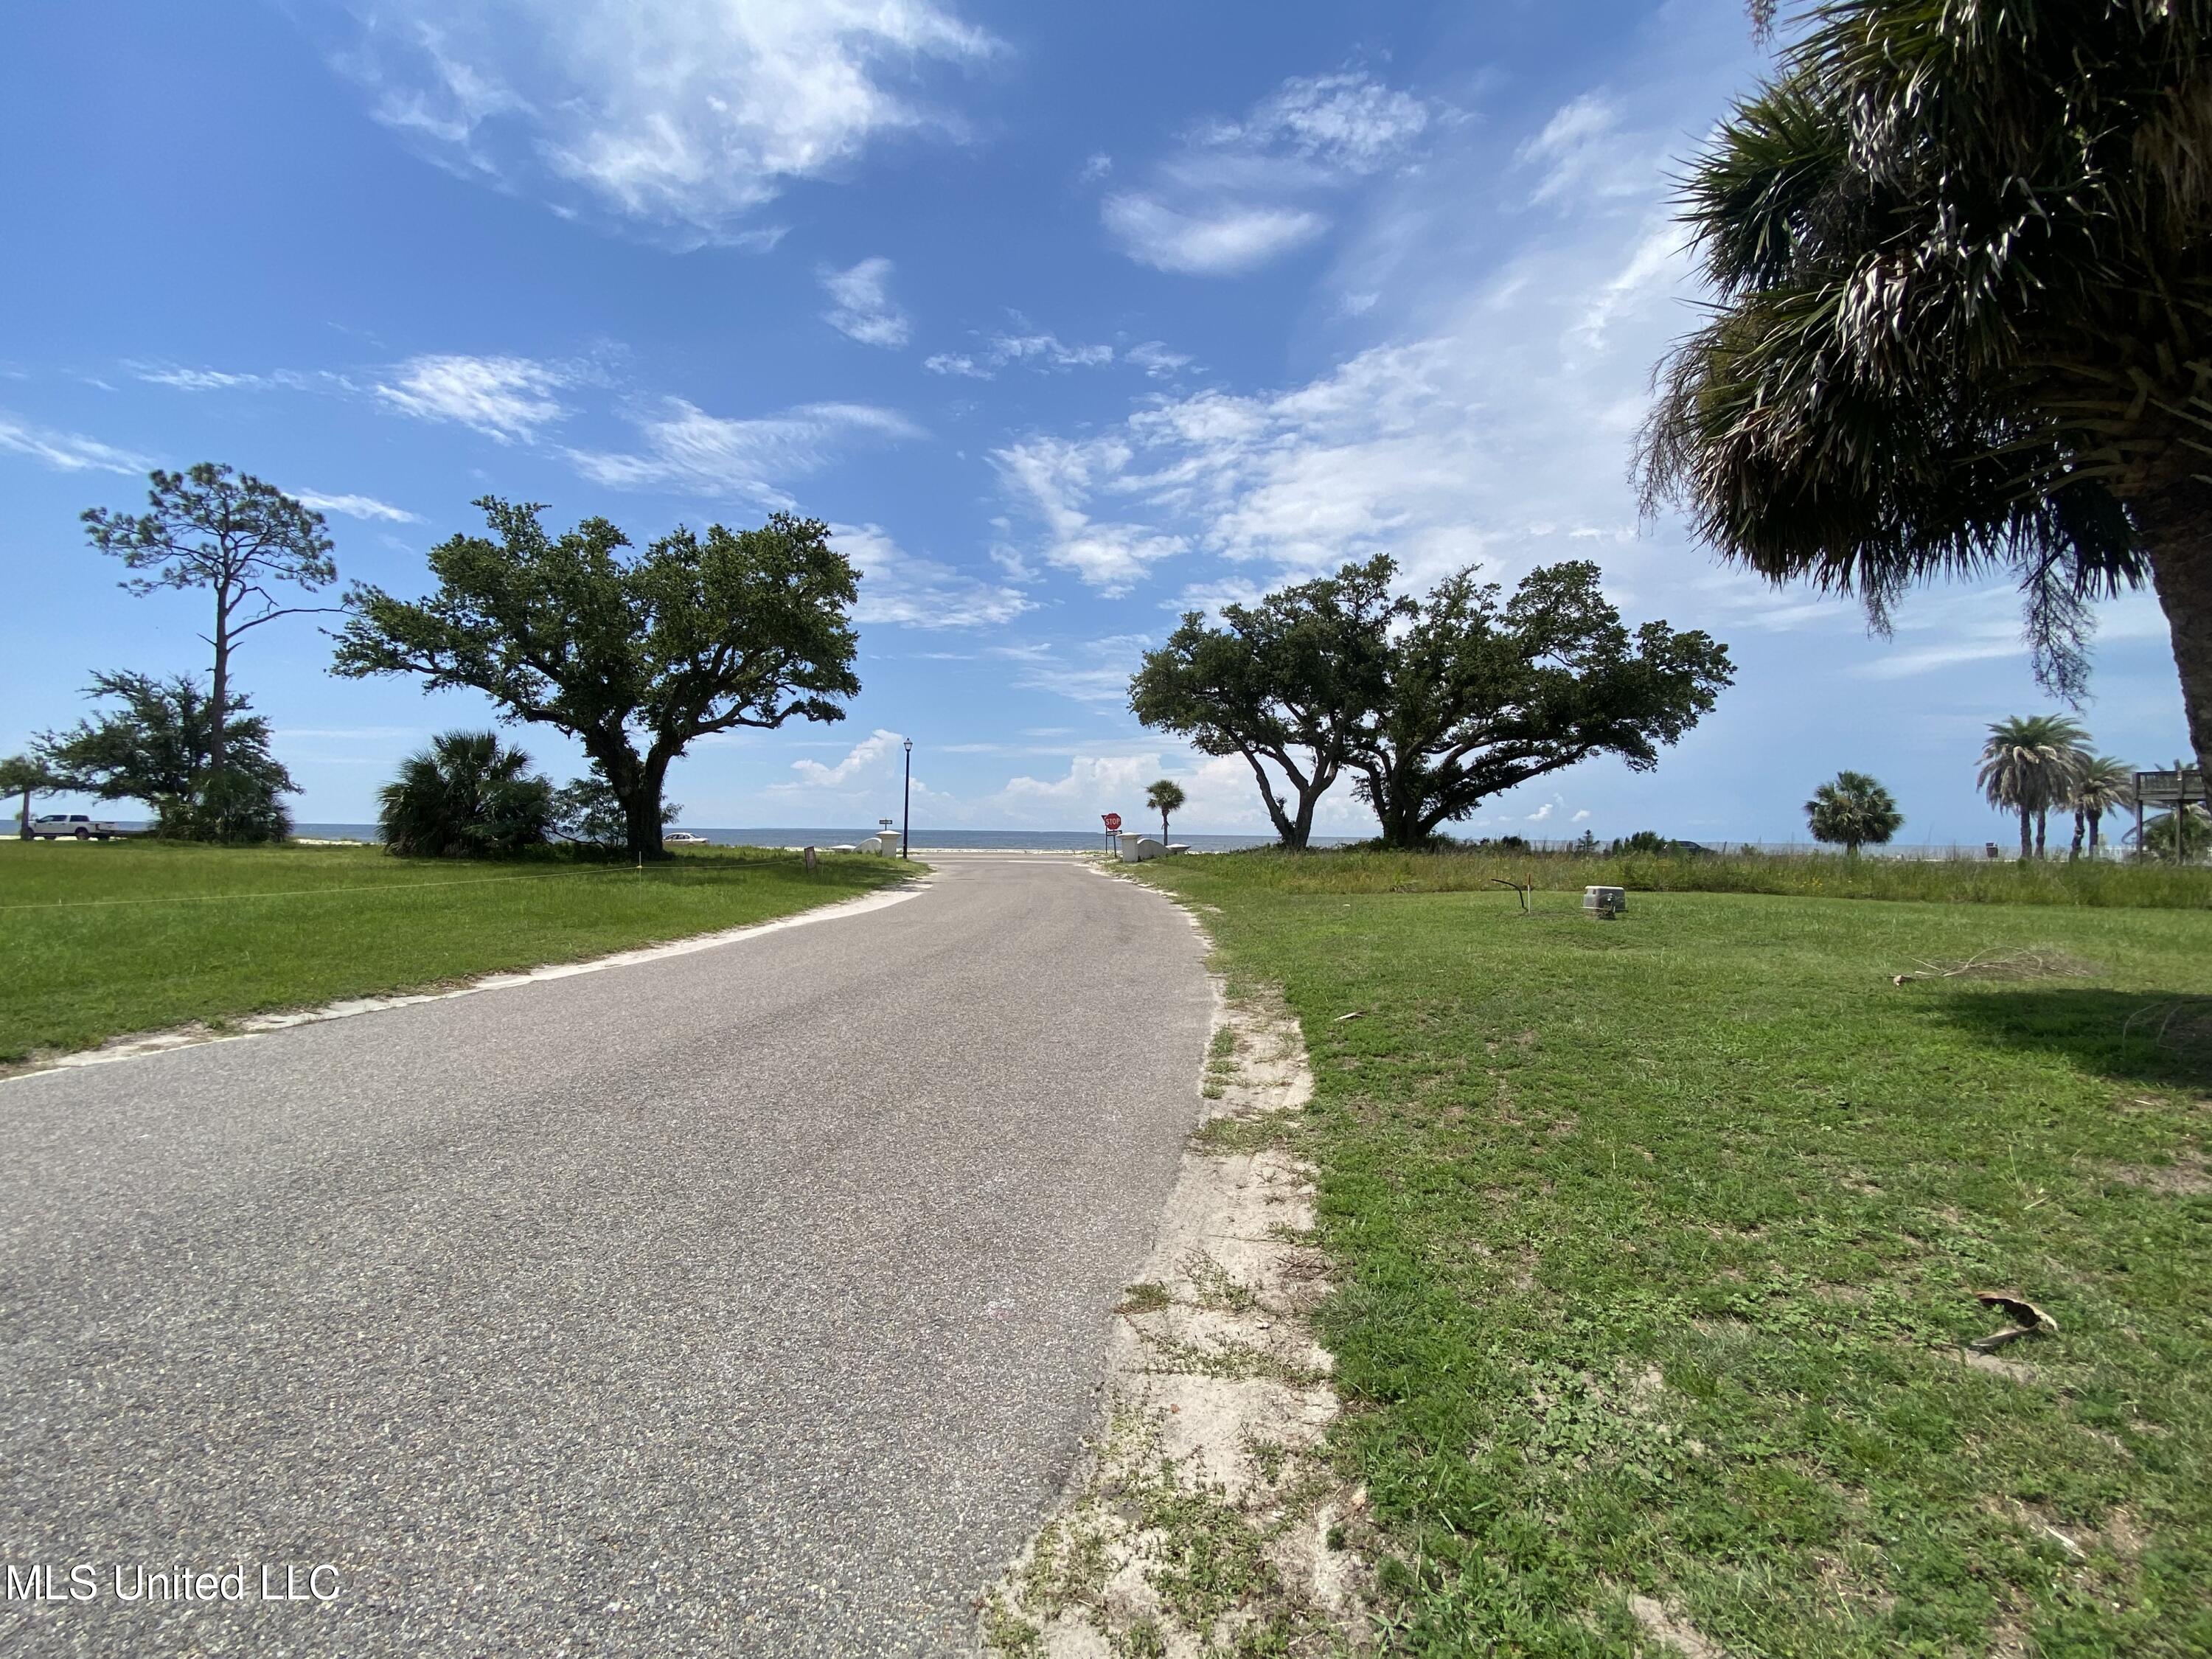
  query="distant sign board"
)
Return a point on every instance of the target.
[
  {"x": 1113, "y": 820},
  {"x": 2169, "y": 789}
]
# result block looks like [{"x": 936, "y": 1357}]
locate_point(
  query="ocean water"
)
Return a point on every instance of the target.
[
  {"x": 1066, "y": 841},
  {"x": 1028, "y": 841}
]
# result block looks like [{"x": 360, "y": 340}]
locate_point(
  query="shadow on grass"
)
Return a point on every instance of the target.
[{"x": 2136, "y": 1036}]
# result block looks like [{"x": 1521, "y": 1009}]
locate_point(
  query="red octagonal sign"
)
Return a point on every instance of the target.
[{"x": 1113, "y": 820}]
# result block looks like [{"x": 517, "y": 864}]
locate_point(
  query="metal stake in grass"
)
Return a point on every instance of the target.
[{"x": 1519, "y": 892}]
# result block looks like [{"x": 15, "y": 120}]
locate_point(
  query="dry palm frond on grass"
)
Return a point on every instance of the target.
[
  {"x": 2005, "y": 964},
  {"x": 2177, "y": 1023}
]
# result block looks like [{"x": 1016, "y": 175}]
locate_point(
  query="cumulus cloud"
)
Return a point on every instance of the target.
[
  {"x": 690, "y": 451},
  {"x": 1237, "y": 194},
  {"x": 864, "y": 757},
  {"x": 912, "y": 592},
  {"x": 67, "y": 452},
  {"x": 861, "y": 305},
  {"x": 1219, "y": 789},
  {"x": 690, "y": 114},
  {"x": 508, "y": 398}
]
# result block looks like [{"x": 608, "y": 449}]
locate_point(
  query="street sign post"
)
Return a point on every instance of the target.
[{"x": 1113, "y": 823}]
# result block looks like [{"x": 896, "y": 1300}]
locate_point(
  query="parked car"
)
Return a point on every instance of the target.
[
  {"x": 53, "y": 825},
  {"x": 683, "y": 838}
]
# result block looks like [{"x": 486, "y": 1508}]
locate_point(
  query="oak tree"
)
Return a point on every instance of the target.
[{"x": 636, "y": 657}]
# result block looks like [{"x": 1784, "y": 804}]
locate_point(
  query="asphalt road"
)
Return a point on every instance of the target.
[{"x": 749, "y": 1301}]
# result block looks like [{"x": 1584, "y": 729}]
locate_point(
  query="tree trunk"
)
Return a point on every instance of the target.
[
  {"x": 642, "y": 811},
  {"x": 2042, "y": 826},
  {"x": 2081, "y": 827},
  {"x": 2176, "y": 524},
  {"x": 216, "y": 733},
  {"x": 23, "y": 824},
  {"x": 2096, "y": 823},
  {"x": 2026, "y": 834},
  {"x": 1281, "y": 819},
  {"x": 1164, "y": 826}
]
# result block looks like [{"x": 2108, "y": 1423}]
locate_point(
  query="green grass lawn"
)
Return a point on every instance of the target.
[
  {"x": 98, "y": 940},
  {"x": 1655, "y": 1242}
]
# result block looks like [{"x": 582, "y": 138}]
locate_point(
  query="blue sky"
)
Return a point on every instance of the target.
[{"x": 1068, "y": 317}]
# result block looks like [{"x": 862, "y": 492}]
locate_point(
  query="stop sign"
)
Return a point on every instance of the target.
[{"x": 1113, "y": 820}]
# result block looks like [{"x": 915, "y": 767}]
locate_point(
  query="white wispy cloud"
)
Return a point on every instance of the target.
[
  {"x": 180, "y": 377},
  {"x": 861, "y": 306},
  {"x": 1083, "y": 670},
  {"x": 1154, "y": 357},
  {"x": 1494, "y": 428},
  {"x": 1348, "y": 122},
  {"x": 688, "y": 451},
  {"x": 1238, "y": 194},
  {"x": 1583, "y": 151},
  {"x": 356, "y": 507},
  {"x": 1036, "y": 349},
  {"x": 689, "y": 114},
  {"x": 67, "y": 452},
  {"x": 508, "y": 398},
  {"x": 1219, "y": 240},
  {"x": 1056, "y": 480},
  {"x": 913, "y": 591}
]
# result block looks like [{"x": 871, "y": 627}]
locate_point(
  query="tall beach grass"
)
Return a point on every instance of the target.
[{"x": 1957, "y": 881}]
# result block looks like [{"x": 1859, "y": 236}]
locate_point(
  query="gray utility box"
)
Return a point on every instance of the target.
[{"x": 1604, "y": 903}]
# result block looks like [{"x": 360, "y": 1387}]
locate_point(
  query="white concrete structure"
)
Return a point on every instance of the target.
[{"x": 1604, "y": 903}]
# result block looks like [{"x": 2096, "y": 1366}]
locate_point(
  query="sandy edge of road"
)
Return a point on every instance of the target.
[
  {"x": 1204, "y": 1508},
  {"x": 139, "y": 1045}
]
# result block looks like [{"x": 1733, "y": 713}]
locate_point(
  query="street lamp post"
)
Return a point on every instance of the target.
[{"x": 906, "y": 808}]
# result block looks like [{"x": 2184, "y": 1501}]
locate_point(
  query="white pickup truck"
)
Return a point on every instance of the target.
[{"x": 76, "y": 824}]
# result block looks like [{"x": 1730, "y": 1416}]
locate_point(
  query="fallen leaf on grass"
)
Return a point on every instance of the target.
[
  {"x": 2027, "y": 1319},
  {"x": 2019, "y": 1308}
]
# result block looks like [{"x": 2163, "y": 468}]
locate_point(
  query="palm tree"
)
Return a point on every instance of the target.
[
  {"x": 466, "y": 794},
  {"x": 2101, "y": 785},
  {"x": 2028, "y": 766},
  {"x": 1854, "y": 812},
  {"x": 2179, "y": 832},
  {"x": 1963, "y": 262},
  {"x": 1165, "y": 797}
]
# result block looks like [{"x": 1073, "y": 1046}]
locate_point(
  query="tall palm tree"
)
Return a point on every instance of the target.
[
  {"x": 1854, "y": 811},
  {"x": 1165, "y": 797},
  {"x": 2101, "y": 785},
  {"x": 2028, "y": 767},
  {"x": 1962, "y": 254}
]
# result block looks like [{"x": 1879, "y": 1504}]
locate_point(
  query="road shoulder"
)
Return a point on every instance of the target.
[{"x": 1205, "y": 1515}]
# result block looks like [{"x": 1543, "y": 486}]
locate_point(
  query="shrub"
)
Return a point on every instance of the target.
[
  {"x": 467, "y": 794},
  {"x": 242, "y": 807}
]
